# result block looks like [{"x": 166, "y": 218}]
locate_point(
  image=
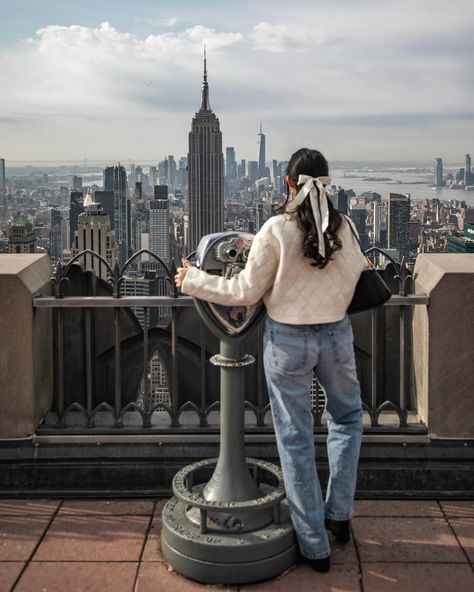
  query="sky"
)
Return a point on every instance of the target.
[{"x": 119, "y": 80}]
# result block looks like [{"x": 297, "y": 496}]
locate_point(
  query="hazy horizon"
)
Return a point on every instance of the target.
[{"x": 365, "y": 81}]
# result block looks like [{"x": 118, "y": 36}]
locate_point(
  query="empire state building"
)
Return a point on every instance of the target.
[{"x": 205, "y": 172}]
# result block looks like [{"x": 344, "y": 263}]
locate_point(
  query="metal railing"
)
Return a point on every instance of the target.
[{"x": 112, "y": 370}]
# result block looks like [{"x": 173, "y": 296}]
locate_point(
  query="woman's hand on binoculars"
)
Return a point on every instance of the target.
[{"x": 181, "y": 272}]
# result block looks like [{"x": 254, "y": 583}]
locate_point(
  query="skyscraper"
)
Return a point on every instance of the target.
[
  {"x": 76, "y": 207},
  {"x": 115, "y": 179},
  {"x": 398, "y": 219},
  {"x": 358, "y": 213},
  {"x": 438, "y": 172},
  {"x": 21, "y": 238},
  {"x": 230, "y": 164},
  {"x": 159, "y": 241},
  {"x": 205, "y": 171},
  {"x": 94, "y": 233},
  {"x": 2, "y": 183},
  {"x": 261, "y": 153},
  {"x": 378, "y": 217},
  {"x": 55, "y": 233},
  {"x": 468, "y": 176}
]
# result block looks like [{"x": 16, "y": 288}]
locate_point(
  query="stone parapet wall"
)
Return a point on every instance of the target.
[
  {"x": 26, "y": 357},
  {"x": 443, "y": 340}
]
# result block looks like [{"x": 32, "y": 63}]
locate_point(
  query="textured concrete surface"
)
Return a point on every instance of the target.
[
  {"x": 443, "y": 342},
  {"x": 114, "y": 545},
  {"x": 26, "y": 354}
]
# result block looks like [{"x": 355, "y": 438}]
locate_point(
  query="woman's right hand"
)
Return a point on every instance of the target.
[{"x": 181, "y": 273}]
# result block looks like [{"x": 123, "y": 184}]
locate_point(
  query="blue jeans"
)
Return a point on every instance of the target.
[{"x": 291, "y": 354}]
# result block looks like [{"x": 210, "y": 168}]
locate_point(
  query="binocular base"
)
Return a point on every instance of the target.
[{"x": 226, "y": 558}]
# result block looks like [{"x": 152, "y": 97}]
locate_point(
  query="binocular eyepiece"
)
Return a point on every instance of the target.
[{"x": 233, "y": 250}]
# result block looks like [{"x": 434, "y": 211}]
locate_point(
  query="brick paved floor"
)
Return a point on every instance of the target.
[{"x": 114, "y": 545}]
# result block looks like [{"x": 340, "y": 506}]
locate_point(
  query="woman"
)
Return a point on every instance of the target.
[{"x": 305, "y": 263}]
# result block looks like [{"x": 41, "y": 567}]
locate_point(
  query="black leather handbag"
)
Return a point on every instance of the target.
[{"x": 371, "y": 291}]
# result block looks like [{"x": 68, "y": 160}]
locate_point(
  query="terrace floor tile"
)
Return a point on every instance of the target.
[
  {"x": 461, "y": 508},
  {"x": 384, "y": 539},
  {"x": 77, "y": 577},
  {"x": 403, "y": 508},
  {"x": 22, "y": 507},
  {"x": 159, "y": 577},
  {"x": 19, "y": 536},
  {"x": 419, "y": 577},
  {"x": 340, "y": 578},
  {"x": 114, "y": 507},
  {"x": 464, "y": 529},
  {"x": 94, "y": 538},
  {"x": 9, "y": 571}
]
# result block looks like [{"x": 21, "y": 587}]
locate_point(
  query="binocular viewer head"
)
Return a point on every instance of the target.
[{"x": 225, "y": 254}]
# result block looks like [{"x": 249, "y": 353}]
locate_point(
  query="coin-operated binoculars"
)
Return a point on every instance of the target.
[{"x": 233, "y": 528}]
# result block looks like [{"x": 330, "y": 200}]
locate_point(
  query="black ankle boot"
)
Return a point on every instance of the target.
[
  {"x": 321, "y": 565},
  {"x": 340, "y": 529}
]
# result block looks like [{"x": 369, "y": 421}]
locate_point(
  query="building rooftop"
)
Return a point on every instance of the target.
[{"x": 114, "y": 545}]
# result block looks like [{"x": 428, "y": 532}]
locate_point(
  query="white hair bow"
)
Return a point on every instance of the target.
[{"x": 320, "y": 208}]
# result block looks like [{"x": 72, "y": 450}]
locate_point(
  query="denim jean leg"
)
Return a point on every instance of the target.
[
  {"x": 288, "y": 370},
  {"x": 336, "y": 371}
]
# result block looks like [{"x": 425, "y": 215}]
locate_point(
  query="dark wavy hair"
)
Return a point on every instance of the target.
[{"x": 313, "y": 163}]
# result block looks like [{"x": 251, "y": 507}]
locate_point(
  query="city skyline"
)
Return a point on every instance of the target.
[{"x": 359, "y": 82}]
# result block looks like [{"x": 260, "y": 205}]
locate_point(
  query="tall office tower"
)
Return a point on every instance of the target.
[
  {"x": 138, "y": 191},
  {"x": 21, "y": 238},
  {"x": 230, "y": 164},
  {"x": 141, "y": 225},
  {"x": 152, "y": 176},
  {"x": 3, "y": 196},
  {"x": 438, "y": 180},
  {"x": 253, "y": 170},
  {"x": 341, "y": 201},
  {"x": 398, "y": 219},
  {"x": 65, "y": 237},
  {"x": 171, "y": 171},
  {"x": 358, "y": 213},
  {"x": 106, "y": 200},
  {"x": 159, "y": 241},
  {"x": 243, "y": 167},
  {"x": 378, "y": 216},
  {"x": 94, "y": 233},
  {"x": 261, "y": 153},
  {"x": 259, "y": 215},
  {"x": 160, "y": 192},
  {"x": 115, "y": 179},
  {"x": 205, "y": 171},
  {"x": 76, "y": 207},
  {"x": 468, "y": 176},
  {"x": 76, "y": 183},
  {"x": 55, "y": 233}
]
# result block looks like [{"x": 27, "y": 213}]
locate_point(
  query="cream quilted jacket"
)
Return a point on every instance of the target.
[{"x": 293, "y": 290}]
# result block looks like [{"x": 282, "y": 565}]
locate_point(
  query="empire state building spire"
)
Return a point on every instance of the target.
[
  {"x": 205, "y": 87},
  {"x": 205, "y": 172}
]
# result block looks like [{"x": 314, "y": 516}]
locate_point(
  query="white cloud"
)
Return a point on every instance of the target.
[
  {"x": 96, "y": 88},
  {"x": 170, "y": 22},
  {"x": 280, "y": 38}
]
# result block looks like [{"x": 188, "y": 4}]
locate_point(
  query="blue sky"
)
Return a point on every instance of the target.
[{"x": 365, "y": 79}]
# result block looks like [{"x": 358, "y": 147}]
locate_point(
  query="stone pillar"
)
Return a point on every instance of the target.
[
  {"x": 443, "y": 344},
  {"x": 26, "y": 356}
]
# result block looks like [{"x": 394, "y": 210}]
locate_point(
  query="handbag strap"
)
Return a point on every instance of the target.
[{"x": 356, "y": 236}]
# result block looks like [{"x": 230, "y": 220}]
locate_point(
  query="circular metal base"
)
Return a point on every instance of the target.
[
  {"x": 226, "y": 558},
  {"x": 219, "y": 360}
]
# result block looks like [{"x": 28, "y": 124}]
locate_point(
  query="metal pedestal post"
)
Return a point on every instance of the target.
[{"x": 235, "y": 528}]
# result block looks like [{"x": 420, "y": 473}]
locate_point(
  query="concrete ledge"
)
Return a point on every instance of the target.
[
  {"x": 443, "y": 339},
  {"x": 26, "y": 348}
]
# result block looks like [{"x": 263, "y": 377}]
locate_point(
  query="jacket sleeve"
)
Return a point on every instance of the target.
[{"x": 248, "y": 287}]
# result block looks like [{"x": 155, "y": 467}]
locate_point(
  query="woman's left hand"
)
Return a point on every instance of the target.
[{"x": 181, "y": 272}]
